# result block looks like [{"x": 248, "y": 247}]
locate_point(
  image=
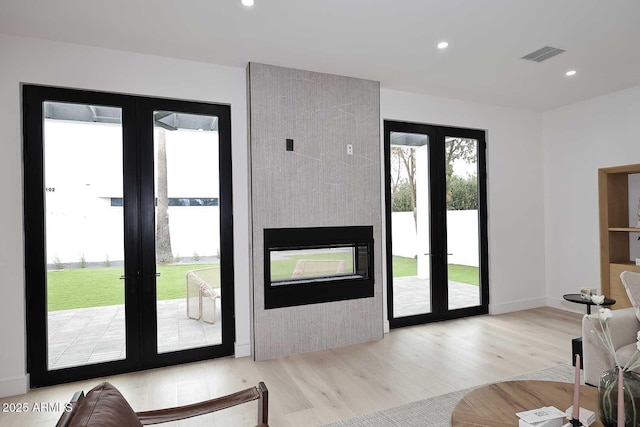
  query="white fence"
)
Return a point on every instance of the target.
[
  {"x": 462, "y": 236},
  {"x": 94, "y": 231},
  {"x": 97, "y": 233}
]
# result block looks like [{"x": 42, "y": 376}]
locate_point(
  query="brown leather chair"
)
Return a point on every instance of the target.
[{"x": 104, "y": 406}]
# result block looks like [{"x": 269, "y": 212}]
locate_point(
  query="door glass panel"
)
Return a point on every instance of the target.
[
  {"x": 463, "y": 260},
  {"x": 84, "y": 234},
  {"x": 410, "y": 224},
  {"x": 189, "y": 299}
]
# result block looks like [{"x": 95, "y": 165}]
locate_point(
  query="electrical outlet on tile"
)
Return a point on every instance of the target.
[{"x": 350, "y": 149}]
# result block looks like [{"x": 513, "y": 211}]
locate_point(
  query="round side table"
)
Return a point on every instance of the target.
[
  {"x": 577, "y": 298},
  {"x": 576, "y": 343}
]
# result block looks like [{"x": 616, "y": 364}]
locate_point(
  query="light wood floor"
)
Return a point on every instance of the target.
[{"x": 311, "y": 389}]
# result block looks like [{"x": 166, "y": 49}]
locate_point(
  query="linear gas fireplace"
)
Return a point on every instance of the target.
[{"x": 318, "y": 264}]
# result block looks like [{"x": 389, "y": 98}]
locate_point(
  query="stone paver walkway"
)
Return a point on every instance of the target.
[
  {"x": 97, "y": 334},
  {"x": 412, "y": 295}
]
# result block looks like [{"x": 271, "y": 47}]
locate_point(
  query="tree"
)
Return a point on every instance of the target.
[
  {"x": 458, "y": 148},
  {"x": 403, "y": 176},
  {"x": 464, "y": 193},
  {"x": 401, "y": 198},
  {"x": 164, "y": 253},
  {"x": 404, "y": 159}
]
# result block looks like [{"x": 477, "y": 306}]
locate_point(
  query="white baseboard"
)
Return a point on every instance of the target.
[
  {"x": 14, "y": 386},
  {"x": 242, "y": 349},
  {"x": 524, "y": 304},
  {"x": 565, "y": 305}
]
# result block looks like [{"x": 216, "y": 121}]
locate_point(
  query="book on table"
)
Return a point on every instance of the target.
[{"x": 547, "y": 416}]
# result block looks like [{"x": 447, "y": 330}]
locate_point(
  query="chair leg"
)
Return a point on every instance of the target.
[
  {"x": 263, "y": 404},
  {"x": 215, "y": 309},
  {"x": 189, "y": 296}
]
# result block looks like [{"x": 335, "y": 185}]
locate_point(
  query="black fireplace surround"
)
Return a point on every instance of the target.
[{"x": 317, "y": 265}]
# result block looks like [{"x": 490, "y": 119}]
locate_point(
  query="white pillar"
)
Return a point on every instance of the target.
[{"x": 422, "y": 211}]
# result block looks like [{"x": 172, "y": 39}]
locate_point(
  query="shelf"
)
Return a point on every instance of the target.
[
  {"x": 625, "y": 263},
  {"x": 622, "y": 170},
  {"x": 616, "y": 237}
]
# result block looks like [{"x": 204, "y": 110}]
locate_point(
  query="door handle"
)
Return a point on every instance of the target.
[{"x": 123, "y": 277}]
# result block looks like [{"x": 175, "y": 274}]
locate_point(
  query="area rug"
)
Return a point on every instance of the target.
[{"x": 436, "y": 411}]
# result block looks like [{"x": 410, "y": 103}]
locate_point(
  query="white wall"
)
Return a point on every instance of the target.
[
  {"x": 577, "y": 140},
  {"x": 515, "y": 189},
  {"x": 516, "y": 225},
  {"x": 59, "y": 64}
]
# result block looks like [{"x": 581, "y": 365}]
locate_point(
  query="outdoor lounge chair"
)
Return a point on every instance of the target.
[
  {"x": 203, "y": 287},
  {"x": 318, "y": 268}
]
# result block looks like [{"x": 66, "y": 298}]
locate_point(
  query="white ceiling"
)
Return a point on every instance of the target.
[{"x": 392, "y": 41}]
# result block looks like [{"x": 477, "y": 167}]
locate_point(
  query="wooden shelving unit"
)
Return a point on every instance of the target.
[{"x": 613, "y": 191}]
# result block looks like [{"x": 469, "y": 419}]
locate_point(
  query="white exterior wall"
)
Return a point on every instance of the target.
[
  {"x": 578, "y": 140},
  {"x": 423, "y": 212},
  {"x": 403, "y": 234},
  {"x": 463, "y": 238},
  {"x": 83, "y": 168}
]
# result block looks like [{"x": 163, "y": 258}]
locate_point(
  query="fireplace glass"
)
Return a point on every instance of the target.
[
  {"x": 321, "y": 264},
  {"x": 318, "y": 264}
]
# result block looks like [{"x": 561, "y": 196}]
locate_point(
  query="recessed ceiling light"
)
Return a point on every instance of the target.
[
  {"x": 570, "y": 73},
  {"x": 443, "y": 45},
  {"x": 247, "y": 3}
]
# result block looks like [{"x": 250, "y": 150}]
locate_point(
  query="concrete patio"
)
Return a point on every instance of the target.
[
  {"x": 92, "y": 335},
  {"x": 412, "y": 295},
  {"x": 97, "y": 334}
]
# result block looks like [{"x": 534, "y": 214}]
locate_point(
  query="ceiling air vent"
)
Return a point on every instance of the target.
[{"x": 543, "y": 54}]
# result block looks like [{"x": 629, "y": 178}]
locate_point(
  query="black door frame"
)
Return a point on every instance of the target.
[
  {"x": 438, "y": 222},
  {"x": 139, "y": 233}
]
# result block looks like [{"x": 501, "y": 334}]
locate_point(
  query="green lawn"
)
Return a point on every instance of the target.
[
  {"x": 458, "y": 273},
  {"x": 93, "y": 287},
  {"x": 404, "y": 266},
  {"x": 464, "y": 274}
]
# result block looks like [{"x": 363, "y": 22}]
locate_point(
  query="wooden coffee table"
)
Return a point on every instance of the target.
[{"x": 495, "y": 405}]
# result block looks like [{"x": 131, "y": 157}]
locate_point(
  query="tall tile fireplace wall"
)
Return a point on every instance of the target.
[{"x": 317, "y": 184}]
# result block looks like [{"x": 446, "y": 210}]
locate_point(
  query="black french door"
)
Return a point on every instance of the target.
[
  {"x": 437, "y": 261},
  {"x": 128, "y": 233}
]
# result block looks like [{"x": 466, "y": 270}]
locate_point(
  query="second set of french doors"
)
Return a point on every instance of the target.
[
  {"x": 128, "y": 231},
  {"x": 437, "y": 262}
]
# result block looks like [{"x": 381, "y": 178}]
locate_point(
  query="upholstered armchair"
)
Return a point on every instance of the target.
[{"x": 624, "y": 327}]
